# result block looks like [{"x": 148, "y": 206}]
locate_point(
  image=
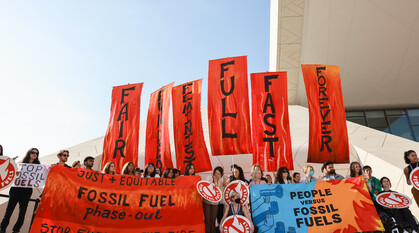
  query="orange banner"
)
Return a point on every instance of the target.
[
  {"x": 187, "y": 124},
  {"x": 228, "y": 106},
  {"x": 270, "y": 121},
  {"x": 157, "y": 143},
  {"x": 121, "y": 139},
  {"x": 328, "y": 135},
  {"x": 338, "y": 206},
  {"x": 80, "y": 200}
]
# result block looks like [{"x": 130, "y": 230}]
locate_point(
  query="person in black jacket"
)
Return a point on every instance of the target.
[{"x": 19, "y": 195}]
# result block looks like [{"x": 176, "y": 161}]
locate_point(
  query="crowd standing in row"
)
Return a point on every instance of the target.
[{"x": 215, "y": 213}]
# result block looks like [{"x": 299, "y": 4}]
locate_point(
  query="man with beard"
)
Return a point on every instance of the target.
[{"x": 331, "y": 173}]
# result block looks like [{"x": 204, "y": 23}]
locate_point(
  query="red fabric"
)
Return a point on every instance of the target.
[
  {"x": 187, "y": 127},
  {"x": 228, "y": 106},
  {"x": 270, "y": 121},
  {"x": 80, "y": 200},
  {"x": 328, "y": 135},
  {"x": 157, "y": 147},
  {"x": 121, "y": 140}
]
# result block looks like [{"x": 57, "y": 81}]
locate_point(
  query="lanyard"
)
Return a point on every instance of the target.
[{"x": 232, "y": 209}]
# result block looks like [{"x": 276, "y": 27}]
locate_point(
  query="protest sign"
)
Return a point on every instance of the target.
[
  {"x": 414, "y": 178},
  {"x": 209, "y": 191},
  {"x": 187, "y": 127},
  {"x": 328, "y": 134},
  {"x": 270, "y": 122},
  {"x": 80, "y": 200},
  {"x": 31, "y": 175},
  {"x": 236, "y": 224},
  {"x": 239, "y": 187},
  {"x": 8, "y": 171},
  {"x": 393, "y": 200},
  {"x": 121, "y": 140},
  {"x": 324, "y": 206},
  {"x": 157, "y": 142},
  {"x": 228, "y": 107}
]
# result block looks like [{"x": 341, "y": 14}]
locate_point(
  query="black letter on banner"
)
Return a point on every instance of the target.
[
  {"x": 271, "y": 145},
  {"x": 268, "y": 83},
  {"x": 122, "y": 112},
  {"x": 223, "y": 65},
  {"x": 231, "y": 89},
  {"x": 126, "y": 94},
  {"x": 268, "y": 103},
  {"x": 119, "y": 148},
  {"x": 267, "y": 123}
]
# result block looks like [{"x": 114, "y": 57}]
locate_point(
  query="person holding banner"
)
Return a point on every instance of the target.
[
  {"x": 283, "y": 176},
  {"x": 237, "y": 209},
  {"x": 109, "y": 168},
  {"x": 63, "y": 157},
  {"x": 76, "y": 164},
  {"x": 19, "y": 195},
  {"x": 402, "y": 215},
  {"x": 331, "y": 173},
  {"x": 189, "y": 170},
  {"x": 168, "y": 173},
  {"x": 411, "y": 158},
  {"x": 211, "y": 208},
  {"x": 88, "y": 162},
  {"x": 238, "y": 174},
  {"x": 308, "y": 172},
  {"x": 150, "y": 170},
  {"x": 356, "y": 169},
  {"x": 257, "y": 176},
  {"x": 128, "y": 169}
]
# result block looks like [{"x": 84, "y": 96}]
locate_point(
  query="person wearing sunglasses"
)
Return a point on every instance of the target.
[
  {"x": 62, "y": 158},
  {"x": 19, "y": 195}
]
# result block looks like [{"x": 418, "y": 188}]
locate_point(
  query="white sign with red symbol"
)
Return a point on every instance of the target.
[
  {"x": 235, "y": 224},
  {"x": 209, "y": 191},
  {"x": 393, "y": 200},
  {"x": 8, "y": 171},
  {"x": 236, "y": 186},
  {"x": 414, "y": 178}
]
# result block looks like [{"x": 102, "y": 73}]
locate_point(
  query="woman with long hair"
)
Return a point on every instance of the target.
[
  {"x": 355, "y": 169},
  {"x": 238, "y": 174},
  {"x": 19, "y": 195},
  {"x": 168, "y": 173},
  {"x": 189, "y": 170},
  {"x": 150, "y": 170},
  {"x": 128, "y": 169},
  {"x": 109, "y": 168},
  {"x": 411, "y": 158},
  {"x": 212, "y": 210},
  {"x": 283, "y": 176}
]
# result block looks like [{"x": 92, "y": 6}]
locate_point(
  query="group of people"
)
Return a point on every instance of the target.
[{"x": 215, "y": 213}]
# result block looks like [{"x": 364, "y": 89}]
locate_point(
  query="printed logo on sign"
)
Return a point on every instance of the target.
[
  {"x": 414, "y": 178},
  {"x": 8, "y": 170},
  {"x": 236, "y": 224},
  {"x": 237, "y": 186},
  {"x": 209, "y": 191},
  {"x": 393, "y": 200}
]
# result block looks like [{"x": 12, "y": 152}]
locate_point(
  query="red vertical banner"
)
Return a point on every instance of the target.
[
  {"x": 121, "y": 140},
  {"x": 157, "y": 143},
  {"x": 228, "y": 106},
  {"x": 270, "y": 121},
  {"x": 328, "y": 135},
  {"x": 187, "y": 124}
]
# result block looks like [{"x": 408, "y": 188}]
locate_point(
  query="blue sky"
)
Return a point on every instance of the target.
[{"x": 60, "y": 59}]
